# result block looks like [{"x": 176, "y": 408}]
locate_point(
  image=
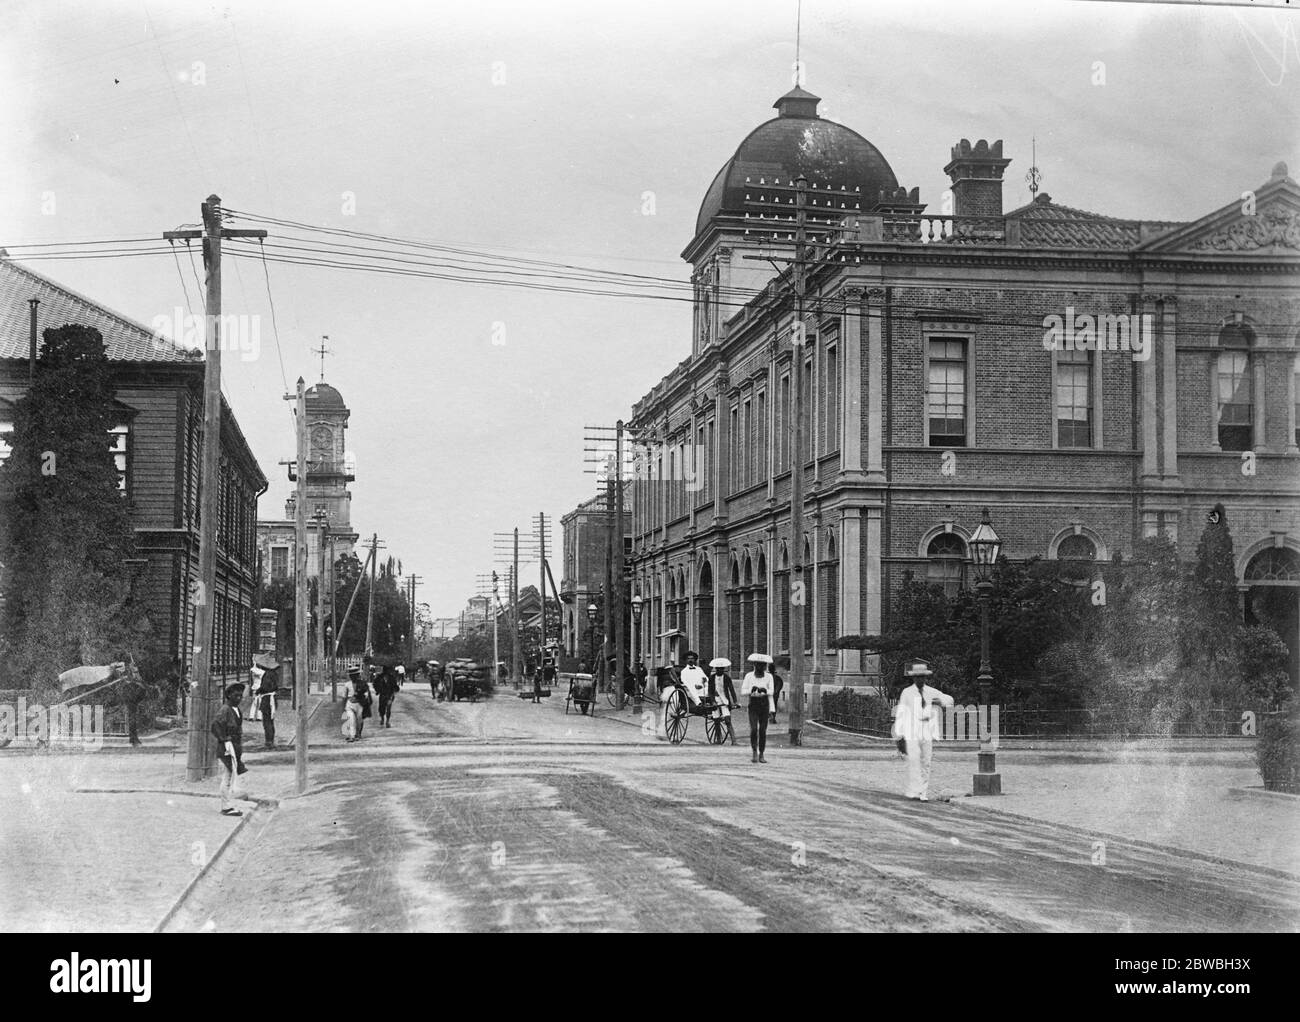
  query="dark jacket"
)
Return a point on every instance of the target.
[
  {"x": 229, "y": 727},
  {"x": 728, "y": 689}
]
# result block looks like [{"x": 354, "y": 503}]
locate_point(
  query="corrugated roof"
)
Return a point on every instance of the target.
[{"x": 125, "y": 339}]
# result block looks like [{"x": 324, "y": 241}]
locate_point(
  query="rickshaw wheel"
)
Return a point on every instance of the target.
[
  {"x": 676, "y": 717},
  {"x": 715, "y": 728}
]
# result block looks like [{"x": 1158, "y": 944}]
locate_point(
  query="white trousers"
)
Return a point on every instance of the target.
[
  {"x": 920, "y": 752},
  {"x": 230, "y": 785}
]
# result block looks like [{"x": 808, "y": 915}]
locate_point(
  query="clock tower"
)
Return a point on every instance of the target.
[{"x": 329, "y": 467}]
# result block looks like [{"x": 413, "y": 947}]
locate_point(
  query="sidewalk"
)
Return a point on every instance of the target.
[{"x": 121, "y": 820}]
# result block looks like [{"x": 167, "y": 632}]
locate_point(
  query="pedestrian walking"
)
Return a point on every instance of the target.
[
  {"x": 386, "y": 685},
  {"x": 916, "y": 726},
  {"x": 758, "y": 687},
  {"x": 722, "y": 692},
  {"x": 352, "y": 706},
  {"x": 228, "y": 730},
  {"x": 264, "y": 686}
]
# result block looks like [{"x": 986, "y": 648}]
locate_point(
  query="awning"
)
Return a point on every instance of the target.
[{"x": 670, "y": 633}]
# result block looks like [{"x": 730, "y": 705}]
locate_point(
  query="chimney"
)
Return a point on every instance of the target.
[
  {"x": 976, "y": 174},
  {"x": 291, "y": 506}
]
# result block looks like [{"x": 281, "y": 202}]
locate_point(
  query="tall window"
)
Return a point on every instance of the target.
[
  {"x": 947, "y": 398},
  {"x": 708, "y": 462},
  {"x": 1235, "y": 394},
  {"x": 1073, "y": 398},
  {"x": 947, "y": 556},
  {"x": 760, "y": 447},
  {"x": 805, "y": 391},
  {"x": 783, "y": 424},
  {"x": 733, "y": 447},
  {"x": 832, "y": 399},
  {"x": 747, "y": 424},
  {"x": 1295, "y": 393},
  {"x": 831, "y": 597}
]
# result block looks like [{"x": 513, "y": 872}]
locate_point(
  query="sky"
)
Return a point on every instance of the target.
[{"x": 536, "y": 130}]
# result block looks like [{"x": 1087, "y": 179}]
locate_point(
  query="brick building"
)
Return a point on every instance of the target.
[
  {"x": 951, "y": 362},
  {"x": 157, "y": 443},
  {"x": 586, "y": 531}
]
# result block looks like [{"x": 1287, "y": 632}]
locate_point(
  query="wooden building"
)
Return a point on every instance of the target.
[{"x": 157, "y": 440}]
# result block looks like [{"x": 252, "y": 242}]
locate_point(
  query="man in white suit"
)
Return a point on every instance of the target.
[{"x": 916, "y": 721}]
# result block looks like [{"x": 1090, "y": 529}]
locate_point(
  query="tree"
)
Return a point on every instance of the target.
[{"x": 66, "y": 532}]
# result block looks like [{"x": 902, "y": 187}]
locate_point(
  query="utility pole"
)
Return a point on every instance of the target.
[
  {"x": 199, "y": 759},
  {"x": 541, "y": 532},
  {"x": 31, "y": 370},
  {"x": 620, "y": 640},
  {"x": 322, "y": 527},
  {"x": 797, "y": 639},
  {"x": 370, "y": 604},
  {"x": 514, "y": 615},
  {"x": 496, "y": 653},
  {"x": 606, "y": 642},
  {"x": 413, "y": 581},
  {"x": 334, "y": 623},
  {"x": 300, "y": 594}
]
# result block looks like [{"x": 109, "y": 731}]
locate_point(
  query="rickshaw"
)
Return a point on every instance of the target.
[
  {"x": 582, "y": 692},
  {"x": 678, "y": 712}
]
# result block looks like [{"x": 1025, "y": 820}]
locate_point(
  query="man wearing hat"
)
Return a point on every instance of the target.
[
  {"x": 916, "y": 722},
  {"x": 228, "y": 728}
]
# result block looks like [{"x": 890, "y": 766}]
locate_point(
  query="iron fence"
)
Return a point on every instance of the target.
[{"x": 873, "y": 715}]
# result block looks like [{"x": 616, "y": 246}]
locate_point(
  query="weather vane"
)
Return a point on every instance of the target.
[
  {"x": 1034, "y": 175},
  {"x": 323, "y": 351}
]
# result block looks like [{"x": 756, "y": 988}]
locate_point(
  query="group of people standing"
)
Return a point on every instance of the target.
[{"x": 761, "y": 688}]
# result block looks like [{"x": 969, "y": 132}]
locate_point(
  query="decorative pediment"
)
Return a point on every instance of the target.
[
  {"x": 1261, "y": 223},
  {"x": 1267, "y": 229}
]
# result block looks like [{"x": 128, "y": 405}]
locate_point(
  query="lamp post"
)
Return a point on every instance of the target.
[
  {"x": 985, "y": 547},
  {"x": 637, "y": 604},
  {"x": 592, "y": 611}
]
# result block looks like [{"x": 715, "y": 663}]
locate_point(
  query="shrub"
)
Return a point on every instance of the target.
[{"x": 1278, "y": 751}]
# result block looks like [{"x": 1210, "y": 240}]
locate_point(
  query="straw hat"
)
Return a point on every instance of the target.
[
  {"x": 719, "y": 661},
  {"x": 759, "y": 658}
]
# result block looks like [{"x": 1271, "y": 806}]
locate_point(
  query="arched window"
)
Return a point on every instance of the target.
[
  {"x": 1234, "y": 394},
  {"x": 830, "y": 585},
  {"x": 704, "y": 613},
  {"x": 1076, "y": 556},
  {"x": 947, "y": 568}
]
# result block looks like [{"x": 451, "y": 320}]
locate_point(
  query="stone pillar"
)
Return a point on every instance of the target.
[
  {"x": 875, "y": 386},
  {"x": 1166, "y": 335},
  {"x": 851, "y": 407},
  {"x": 850, "y": 595},
  {"x": 874, "y": 581}
]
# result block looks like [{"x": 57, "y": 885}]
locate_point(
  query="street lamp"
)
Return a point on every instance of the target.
[
  {"x": 592, "y": 611},
  {"x": 985, "y": 547},
  {"x": 637, "y": 604}
]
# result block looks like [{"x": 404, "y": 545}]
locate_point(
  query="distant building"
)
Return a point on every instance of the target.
[
  {"x": 157, "y": 441},
  {"x": 329, "y": 470},
  {"x": 586, "y": 538}
]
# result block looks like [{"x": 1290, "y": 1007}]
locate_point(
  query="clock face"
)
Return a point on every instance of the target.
[{"x": 321, "y": 438}]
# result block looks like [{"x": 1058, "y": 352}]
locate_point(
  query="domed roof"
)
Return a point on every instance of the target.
[
  {"x": 323, "y": 396},
  {"x": 844, "y": 171}
]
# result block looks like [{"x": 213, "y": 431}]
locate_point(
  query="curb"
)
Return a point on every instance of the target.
[
  {"x": 212, "y": 861},
  {"x": 1216, "y": 860},
  {"x": 1261, "y": 792}
]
